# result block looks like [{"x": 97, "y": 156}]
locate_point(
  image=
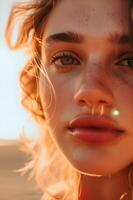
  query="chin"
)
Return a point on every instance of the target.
[{"x": 96, "y": 170}]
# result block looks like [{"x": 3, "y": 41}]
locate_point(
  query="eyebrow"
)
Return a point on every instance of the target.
[
  {"x": 77, "y": 38},
  {"x": 71, "y": 37},
  {"x": 120, "y": 38}
]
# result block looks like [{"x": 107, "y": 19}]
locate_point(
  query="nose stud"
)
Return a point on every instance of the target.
[{"x": 115, "y": 112}]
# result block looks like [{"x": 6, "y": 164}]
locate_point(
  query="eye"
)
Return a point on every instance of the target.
[
  {"x": 126, "y": 62},
  {"x": 64, "y": 60}
]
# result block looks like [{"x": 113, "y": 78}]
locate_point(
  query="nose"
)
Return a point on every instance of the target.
[{"x": 94, "y": 91}]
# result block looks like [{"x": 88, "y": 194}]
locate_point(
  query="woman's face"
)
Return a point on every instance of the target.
[{"x": 96, "y": 67}]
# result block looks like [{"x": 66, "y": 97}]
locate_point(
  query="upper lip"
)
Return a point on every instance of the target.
[{"x": 88, "y": 121}]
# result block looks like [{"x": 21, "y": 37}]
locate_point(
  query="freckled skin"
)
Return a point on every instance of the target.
[{"x": 97, "y": 78}]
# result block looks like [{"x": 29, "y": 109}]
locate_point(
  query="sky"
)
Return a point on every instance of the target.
[{"x": 13, "y": 117}]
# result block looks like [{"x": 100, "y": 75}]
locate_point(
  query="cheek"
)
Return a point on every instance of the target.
[
  {"x": 125, "y": 78},
  {"x": 63, "y": 87},
  {"x": 56, "y": 95},
  {"x": 123, "y": 95}
]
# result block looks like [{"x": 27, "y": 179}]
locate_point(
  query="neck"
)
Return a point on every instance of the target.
[{"x": 103, "y": 188}]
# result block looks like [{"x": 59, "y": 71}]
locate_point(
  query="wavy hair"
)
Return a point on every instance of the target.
[{"x": 48, "y": 166}]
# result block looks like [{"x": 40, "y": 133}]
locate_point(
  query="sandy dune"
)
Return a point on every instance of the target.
[{"x": 12, "y": 185}]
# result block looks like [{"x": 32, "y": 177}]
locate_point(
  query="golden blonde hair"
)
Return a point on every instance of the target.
[{"x": 51, "y": 170}]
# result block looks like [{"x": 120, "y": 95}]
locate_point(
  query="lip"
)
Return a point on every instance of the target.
[{"x": 94, "y": 129}]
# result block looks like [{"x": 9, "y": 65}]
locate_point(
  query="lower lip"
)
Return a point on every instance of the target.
[{"x": 96, "y": 136}]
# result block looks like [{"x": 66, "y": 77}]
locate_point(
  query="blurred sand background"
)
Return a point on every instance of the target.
[{"x": 12, "y": 185}]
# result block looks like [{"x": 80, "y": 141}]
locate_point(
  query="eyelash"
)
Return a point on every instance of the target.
[{"x": 65, "y": 55}]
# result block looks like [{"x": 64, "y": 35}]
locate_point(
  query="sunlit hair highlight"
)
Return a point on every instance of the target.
[{"x": 53, "y": 173}]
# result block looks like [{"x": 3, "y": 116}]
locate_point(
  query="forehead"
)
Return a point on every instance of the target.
[{"x": 91, "y": 17}]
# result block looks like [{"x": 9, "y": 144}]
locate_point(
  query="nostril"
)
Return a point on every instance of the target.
[
  {"x": 82, "y": 102},
  {"x": 102, "y": 102},
  {"x": 85, "y": 103}
]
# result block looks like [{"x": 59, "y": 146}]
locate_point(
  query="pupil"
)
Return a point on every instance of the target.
[{"x": 66, "y": 61}]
